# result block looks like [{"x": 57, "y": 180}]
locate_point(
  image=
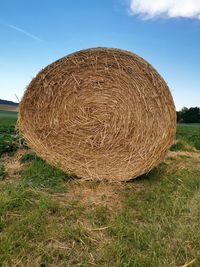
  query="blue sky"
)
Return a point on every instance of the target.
[{"x": 35, "y": 33}]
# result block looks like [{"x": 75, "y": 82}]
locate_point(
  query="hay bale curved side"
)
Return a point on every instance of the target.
[{"x": 99, "y": 113}]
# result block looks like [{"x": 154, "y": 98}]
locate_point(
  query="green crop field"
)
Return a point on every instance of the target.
[
  {"x": 7, "y": 121},
  {"x": 48, "y": 218},
  {"x": 8, "y": 117}
]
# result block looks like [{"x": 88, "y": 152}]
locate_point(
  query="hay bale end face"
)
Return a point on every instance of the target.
[{"x": 99, "y": 113}]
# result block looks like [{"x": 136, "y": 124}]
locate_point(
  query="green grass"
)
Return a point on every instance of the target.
[
  {"x": 7, "y": 121},
  {"x": 8, "y": 140},
  {"x": 8, "y": 144},
  {"x": 189, "y": 133},
  {"x": 2, "y": 172},
  {"x": 8, "y": 117},
  {"x": 40, "y": 175},
  {"x": 28, "y": 157},
  {"x": 182, "y": 145},
  {"x": 49, "y": 219}
]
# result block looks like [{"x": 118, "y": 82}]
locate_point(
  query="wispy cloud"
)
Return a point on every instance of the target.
[
  {"x": 166, "y": 8},
  {"x": 24, "y": 32}
]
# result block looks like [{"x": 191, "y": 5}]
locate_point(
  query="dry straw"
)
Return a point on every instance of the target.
[{"x": 99, "y": 113}]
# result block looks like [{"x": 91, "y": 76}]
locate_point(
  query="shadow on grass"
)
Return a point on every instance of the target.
[
  {"x": 39, "y": 174},
  {"x": 156, "y": 174}
]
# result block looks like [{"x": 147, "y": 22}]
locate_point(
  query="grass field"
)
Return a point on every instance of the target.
[
  {"x": 49, "y": 219},
  {"x": 7, "y": 121},
  {"x": 8, "y": 118},
  {"x": 190, "y": 133}
]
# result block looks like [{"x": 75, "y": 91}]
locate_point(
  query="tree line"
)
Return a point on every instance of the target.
[{"x": 188, "y": 115}]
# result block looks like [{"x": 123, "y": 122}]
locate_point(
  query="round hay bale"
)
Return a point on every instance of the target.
[{"x": 99, "y": 113}]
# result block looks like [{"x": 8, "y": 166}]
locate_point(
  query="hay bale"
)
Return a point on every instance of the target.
[{"x": 99, "y": 113}]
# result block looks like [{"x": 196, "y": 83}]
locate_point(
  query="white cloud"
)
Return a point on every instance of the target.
[
  {"x": 24, "y": 32},
  {"x": 166, "y": 8}
]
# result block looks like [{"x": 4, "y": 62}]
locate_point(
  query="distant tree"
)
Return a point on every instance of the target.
[
  {"x": 179, "y": 116},
  {"x": 191, "y": 115}
]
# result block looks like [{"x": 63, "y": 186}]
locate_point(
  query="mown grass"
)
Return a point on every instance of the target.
[{"x": 49, "y": 219}]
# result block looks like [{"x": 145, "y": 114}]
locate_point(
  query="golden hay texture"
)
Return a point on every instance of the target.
[{"x": 100, "y": 113}]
